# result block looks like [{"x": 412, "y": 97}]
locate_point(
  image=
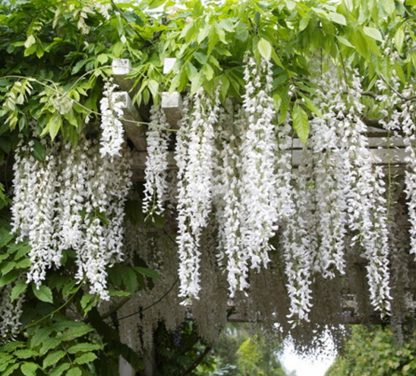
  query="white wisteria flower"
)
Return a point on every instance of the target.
[
  {"x": 33, "y": 209},
  {"x": 300, "y": 243},
  {"x": 11, "y": 312},
  {"x": 194, "y": 158},
  {"x": 156, "y": 185},
  {"x": 258, "y": 160},
  {"x": 365, "y": 197},
  {"x": 74, "y": 199},
  {"x": 329, "y": 181},
  {"x": 111, "y": 107},
  {"x": 227, "y": 198},
  {"x": 109, "y": 181}
]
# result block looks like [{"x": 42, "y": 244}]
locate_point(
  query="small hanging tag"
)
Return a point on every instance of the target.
[{"x": 121, "y": 67}]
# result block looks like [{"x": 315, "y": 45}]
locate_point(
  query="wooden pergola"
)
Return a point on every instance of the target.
[{"x": 387, "y": 149}]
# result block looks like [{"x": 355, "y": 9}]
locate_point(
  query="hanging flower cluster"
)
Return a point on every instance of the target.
[
  {"x": 244, "y": 169},
  {"x": 336, "y": 189},
  {"x": 228, "y": 191},
  {"x": 34, "y": 208},
  {"x": 10, "y": 312},
  {"x": 406, "y": 119},
  {"x": 366, "y": 199},
  {"x": 74, "y": 199},
  {"x": 300, "y": 243},
  {"x": 258, "y": 160},
  {"x": 111, "y": 107},
  {"x": 156, "y": 185},
  {"x": 194, "y": 158},
  {"x": 108, "y": 185}
]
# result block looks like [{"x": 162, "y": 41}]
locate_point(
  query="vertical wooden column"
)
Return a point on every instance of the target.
[{"x": 135, "y": 131}]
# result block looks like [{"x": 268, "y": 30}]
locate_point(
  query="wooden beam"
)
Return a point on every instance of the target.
[
  {"x": 385, "y": 156},
  {"x": 172, "y": 106},
  {"x": 120, "y": 69},
  {"x": 135, "y": 131}
]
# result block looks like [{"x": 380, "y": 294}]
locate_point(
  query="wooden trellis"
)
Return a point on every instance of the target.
[{"x": 386, "y": 149}]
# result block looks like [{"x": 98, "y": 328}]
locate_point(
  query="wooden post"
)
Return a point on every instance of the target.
[
  {"x": 121, "y": 68},
  {"x": 131, "y": 121}
]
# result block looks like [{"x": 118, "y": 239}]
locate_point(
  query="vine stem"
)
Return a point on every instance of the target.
[
  {"x": 62, "y": 306},
  {"x": 32, "y": 79}
]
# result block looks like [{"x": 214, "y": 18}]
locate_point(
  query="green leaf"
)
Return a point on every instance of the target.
[
  {"x": 153, "y": 87},
  {"x": 119, "y": 293},
  {"x": 311, "y": 106},
  {"x": 374, "y": 33},
  {"x": 77, "y": 67},
  {"x": 74, "y": 372},
  {"x": 399, "y": 39},
  {"x": 203, "y": 33},
  {"x": 29, "y": 368},
  {"x": 7, "y": 267},
  {"x": 41, "y": 336},
  {"x": 10, "y": 369},
  {"x": 39, "y": 151},
  {"x": 83, "y": 347},
  {"x": 129, "y": 279},
  {"x": 5, "y": 237},
  {"x": 78, "y": 331},
  {"x": 18, "y": 289},
  {"x": 276, "y": 59},
  {"x": 300, "y": 123},
  {"x": 88, "y": 301},
  {"x": 147, "y": 272},
  {"x": 49, "y": 344},
  {"x": 58, "y": 371},
  {"x": 85, "y": 358},
  {"x": 102, "y": 58},
  {"x": 30, "y": 41},
  {"x": 53, "y": 358},
  {"x": 265, "y": 48},
  {"x": 23, "y": 264},
  {"x": 8, "y": 278},
  {"x": 345, "y": 41},
  {"x": 43, "y": 293},
  {"x": 388, "y": 6},
  {"x": 337, "y": 18},
  {"x": 54, "y": 125},
  {"x": 208, "y": 72},
  {"x": 25, "y": 353}
]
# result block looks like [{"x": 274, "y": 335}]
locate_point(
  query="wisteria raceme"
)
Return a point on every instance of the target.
[
  {"x": 329, "y": 186},
  {"x": 300, "y": 243},
  {"x": 228, "y": 206},
  {"x": 33, "y": 209},
  {"x": 365, "y": 201},
  {"x": 409, "y": 130},
  {"x": 10, "y": 312},
  {"x": 376, "y": 245},
  {"x": 112, "y": 135},
  {"x": 74, "y": 180},
  {"x": 401, "y": 118},
  {"x": 47, "y": 207},
  {"x": 284, "y": 199},
  {"x": 23, "y": 180},
  {"x": 194, "y": 157},
  {"x": 258, "y": 160},
  {"x": 109, "y": 180},
  {"x": 157, "y": 139},
  {"x": 188, "y": 260}
]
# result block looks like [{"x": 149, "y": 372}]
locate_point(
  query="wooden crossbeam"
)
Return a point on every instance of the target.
[{"x": 384, "y": 156}]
